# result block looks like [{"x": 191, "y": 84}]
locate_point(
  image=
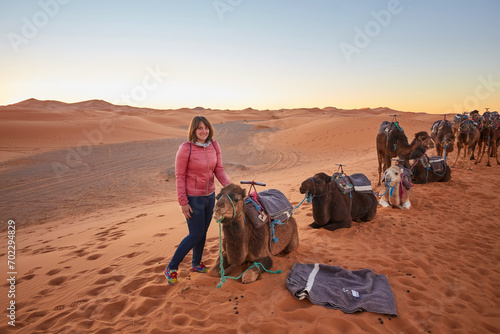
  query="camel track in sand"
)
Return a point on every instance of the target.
[{"x": 113, "y": 174}]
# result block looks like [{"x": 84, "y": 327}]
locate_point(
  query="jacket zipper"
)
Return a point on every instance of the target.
[{"x": 208, "y": 169}]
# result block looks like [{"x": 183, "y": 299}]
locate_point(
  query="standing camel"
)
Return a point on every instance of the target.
[
  {"x": 488, "y": 137},
  {"x": 394, "y": 143},
  {"x": 443, "y": 137},
  {"x": 467, "y": 137}
]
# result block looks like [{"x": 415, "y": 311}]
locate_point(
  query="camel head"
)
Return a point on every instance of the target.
[
  {"x": 392, "y": 176},
  {"x": 487, "y": 123},
  {"x": 448, "y": 142},
  {"x": 316, "y": 185},
  {"x": 466, "y": 127},
  {"x": 424, "y": 139},
  {"x": 230, "y": 202}
]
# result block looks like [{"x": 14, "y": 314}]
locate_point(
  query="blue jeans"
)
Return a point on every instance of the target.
[{"x": 203, "y": 209}]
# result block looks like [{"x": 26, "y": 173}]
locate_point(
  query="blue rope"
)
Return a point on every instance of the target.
[{"x": 275, "y": 222}]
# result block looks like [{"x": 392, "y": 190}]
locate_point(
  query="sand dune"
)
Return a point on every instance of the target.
[{"x": 97, "y": 221}]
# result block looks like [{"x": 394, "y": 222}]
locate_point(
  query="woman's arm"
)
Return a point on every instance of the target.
[
  {"x": 181, "y": 164},
  {"x": 219, "y": 167}
]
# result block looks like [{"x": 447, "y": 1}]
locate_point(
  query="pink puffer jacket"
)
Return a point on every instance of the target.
[{"x": 194, "y": 172}]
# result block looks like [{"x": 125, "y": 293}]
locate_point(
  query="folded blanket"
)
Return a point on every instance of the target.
[{"x": 345, "y": 290}]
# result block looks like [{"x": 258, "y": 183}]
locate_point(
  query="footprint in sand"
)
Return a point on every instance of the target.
[
  {"x": 94, "y": 257},
  {"x": 58, "y": 280},
  {"x": 131, "y": 255},
  {"x": 153, "y": 261},
  {"x": 160, "y": 235},
  {"x": 116, "y": 278},
  {"x": 78, "y": 303},
  {"x": 106, "y": 270},
  {"x": 25, "y": 278}
]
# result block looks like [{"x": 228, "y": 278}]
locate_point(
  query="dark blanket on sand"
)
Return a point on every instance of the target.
[{"x": 345, "y": 290}]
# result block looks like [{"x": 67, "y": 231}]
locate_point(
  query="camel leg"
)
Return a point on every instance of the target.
[
  {"x": 496, "y": 154},
  {"x": 384, "y": 201},
  {"x": 479, "y": 147},
  {"x": 489, "y": 153},
  {"x": 480, "y": 153},
  {"x": 459, "y": 147},
  {"x": 293, "y": 244},
  {"x": 466, "y": 154},
  {"x": 215, "y": 271},
  {"x": 252, "y": 274},
  {"x": 380, "y": 160},
  {"x": 336, "y": 226},
  {"x": 315, "y": 225},
  {"x": 469, "y": 153},
  {"x": 439, "y": 150}
]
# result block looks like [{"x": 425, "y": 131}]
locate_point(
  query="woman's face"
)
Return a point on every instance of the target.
[{"x": 202, "y": 132}]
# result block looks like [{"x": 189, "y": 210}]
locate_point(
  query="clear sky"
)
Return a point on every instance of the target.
[{"x": 411, "y": 55}]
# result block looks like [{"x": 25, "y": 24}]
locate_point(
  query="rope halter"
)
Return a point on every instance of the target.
[{"x": 234, "y": 210}]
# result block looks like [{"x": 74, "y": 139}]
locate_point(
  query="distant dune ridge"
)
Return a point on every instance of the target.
[{"x": 91, "y": 189}]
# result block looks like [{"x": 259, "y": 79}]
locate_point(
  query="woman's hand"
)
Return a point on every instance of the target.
[{"x": 186, "y": 211}]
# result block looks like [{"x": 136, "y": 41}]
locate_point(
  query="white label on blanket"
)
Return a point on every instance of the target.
[{"x": 355, "y": 293}]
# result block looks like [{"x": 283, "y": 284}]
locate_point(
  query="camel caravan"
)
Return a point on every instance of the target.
[{"x": 256, "y": 226}]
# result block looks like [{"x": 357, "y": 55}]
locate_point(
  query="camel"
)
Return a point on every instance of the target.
[
  {"x": 489, "y": 135},
  {"x": 333, "y": 210},
  {"x": 467, "y": 137},
  {"x": 428, "y": 169},
  {"x": 443, "y": 137},
  {"x": 243, "y": 241},
  {"x": 394, "y": 143},
  {"x": 395, "y": 193},
  {"x": 456, "y": 122}
]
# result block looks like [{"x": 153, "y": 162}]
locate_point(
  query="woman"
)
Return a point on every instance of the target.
[{"x": 196, "y": 163}]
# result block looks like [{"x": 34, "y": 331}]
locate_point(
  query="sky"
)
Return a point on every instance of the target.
[{"x": 410, "y": 55}]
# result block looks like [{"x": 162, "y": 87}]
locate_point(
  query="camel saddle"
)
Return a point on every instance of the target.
[
  {"x": 357, "y": 182},
  {"x": 407, "y": 177},
  {"x": 435, "y": 163},
  {"x": 270, "y": 205},
  {"x": 386, "y": 127},
  {"x": 437, "y": 125}
]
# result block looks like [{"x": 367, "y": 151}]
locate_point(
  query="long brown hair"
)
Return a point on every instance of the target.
[{"x": 195, "y": 123}]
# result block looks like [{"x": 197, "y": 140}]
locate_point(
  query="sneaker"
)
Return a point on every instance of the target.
[
  {"x": 171, "y": 276},
  {"x": 200, "y": 269}
]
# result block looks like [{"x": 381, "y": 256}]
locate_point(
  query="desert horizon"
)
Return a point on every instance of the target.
[{"x": 90, "y": 189}]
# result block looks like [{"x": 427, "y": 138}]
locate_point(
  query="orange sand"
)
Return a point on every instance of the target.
[{"x": 97, "y": 222}]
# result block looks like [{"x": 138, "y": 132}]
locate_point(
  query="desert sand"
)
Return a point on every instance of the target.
[{"x": 91, "y": 189}]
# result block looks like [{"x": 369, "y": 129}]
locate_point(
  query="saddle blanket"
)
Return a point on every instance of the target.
[
  {"x": 435, "y": 163},
  {"x": 407, "y": 177},
  {"x": 341, "y": 289},
  {"x": 438, "y": 125}
]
